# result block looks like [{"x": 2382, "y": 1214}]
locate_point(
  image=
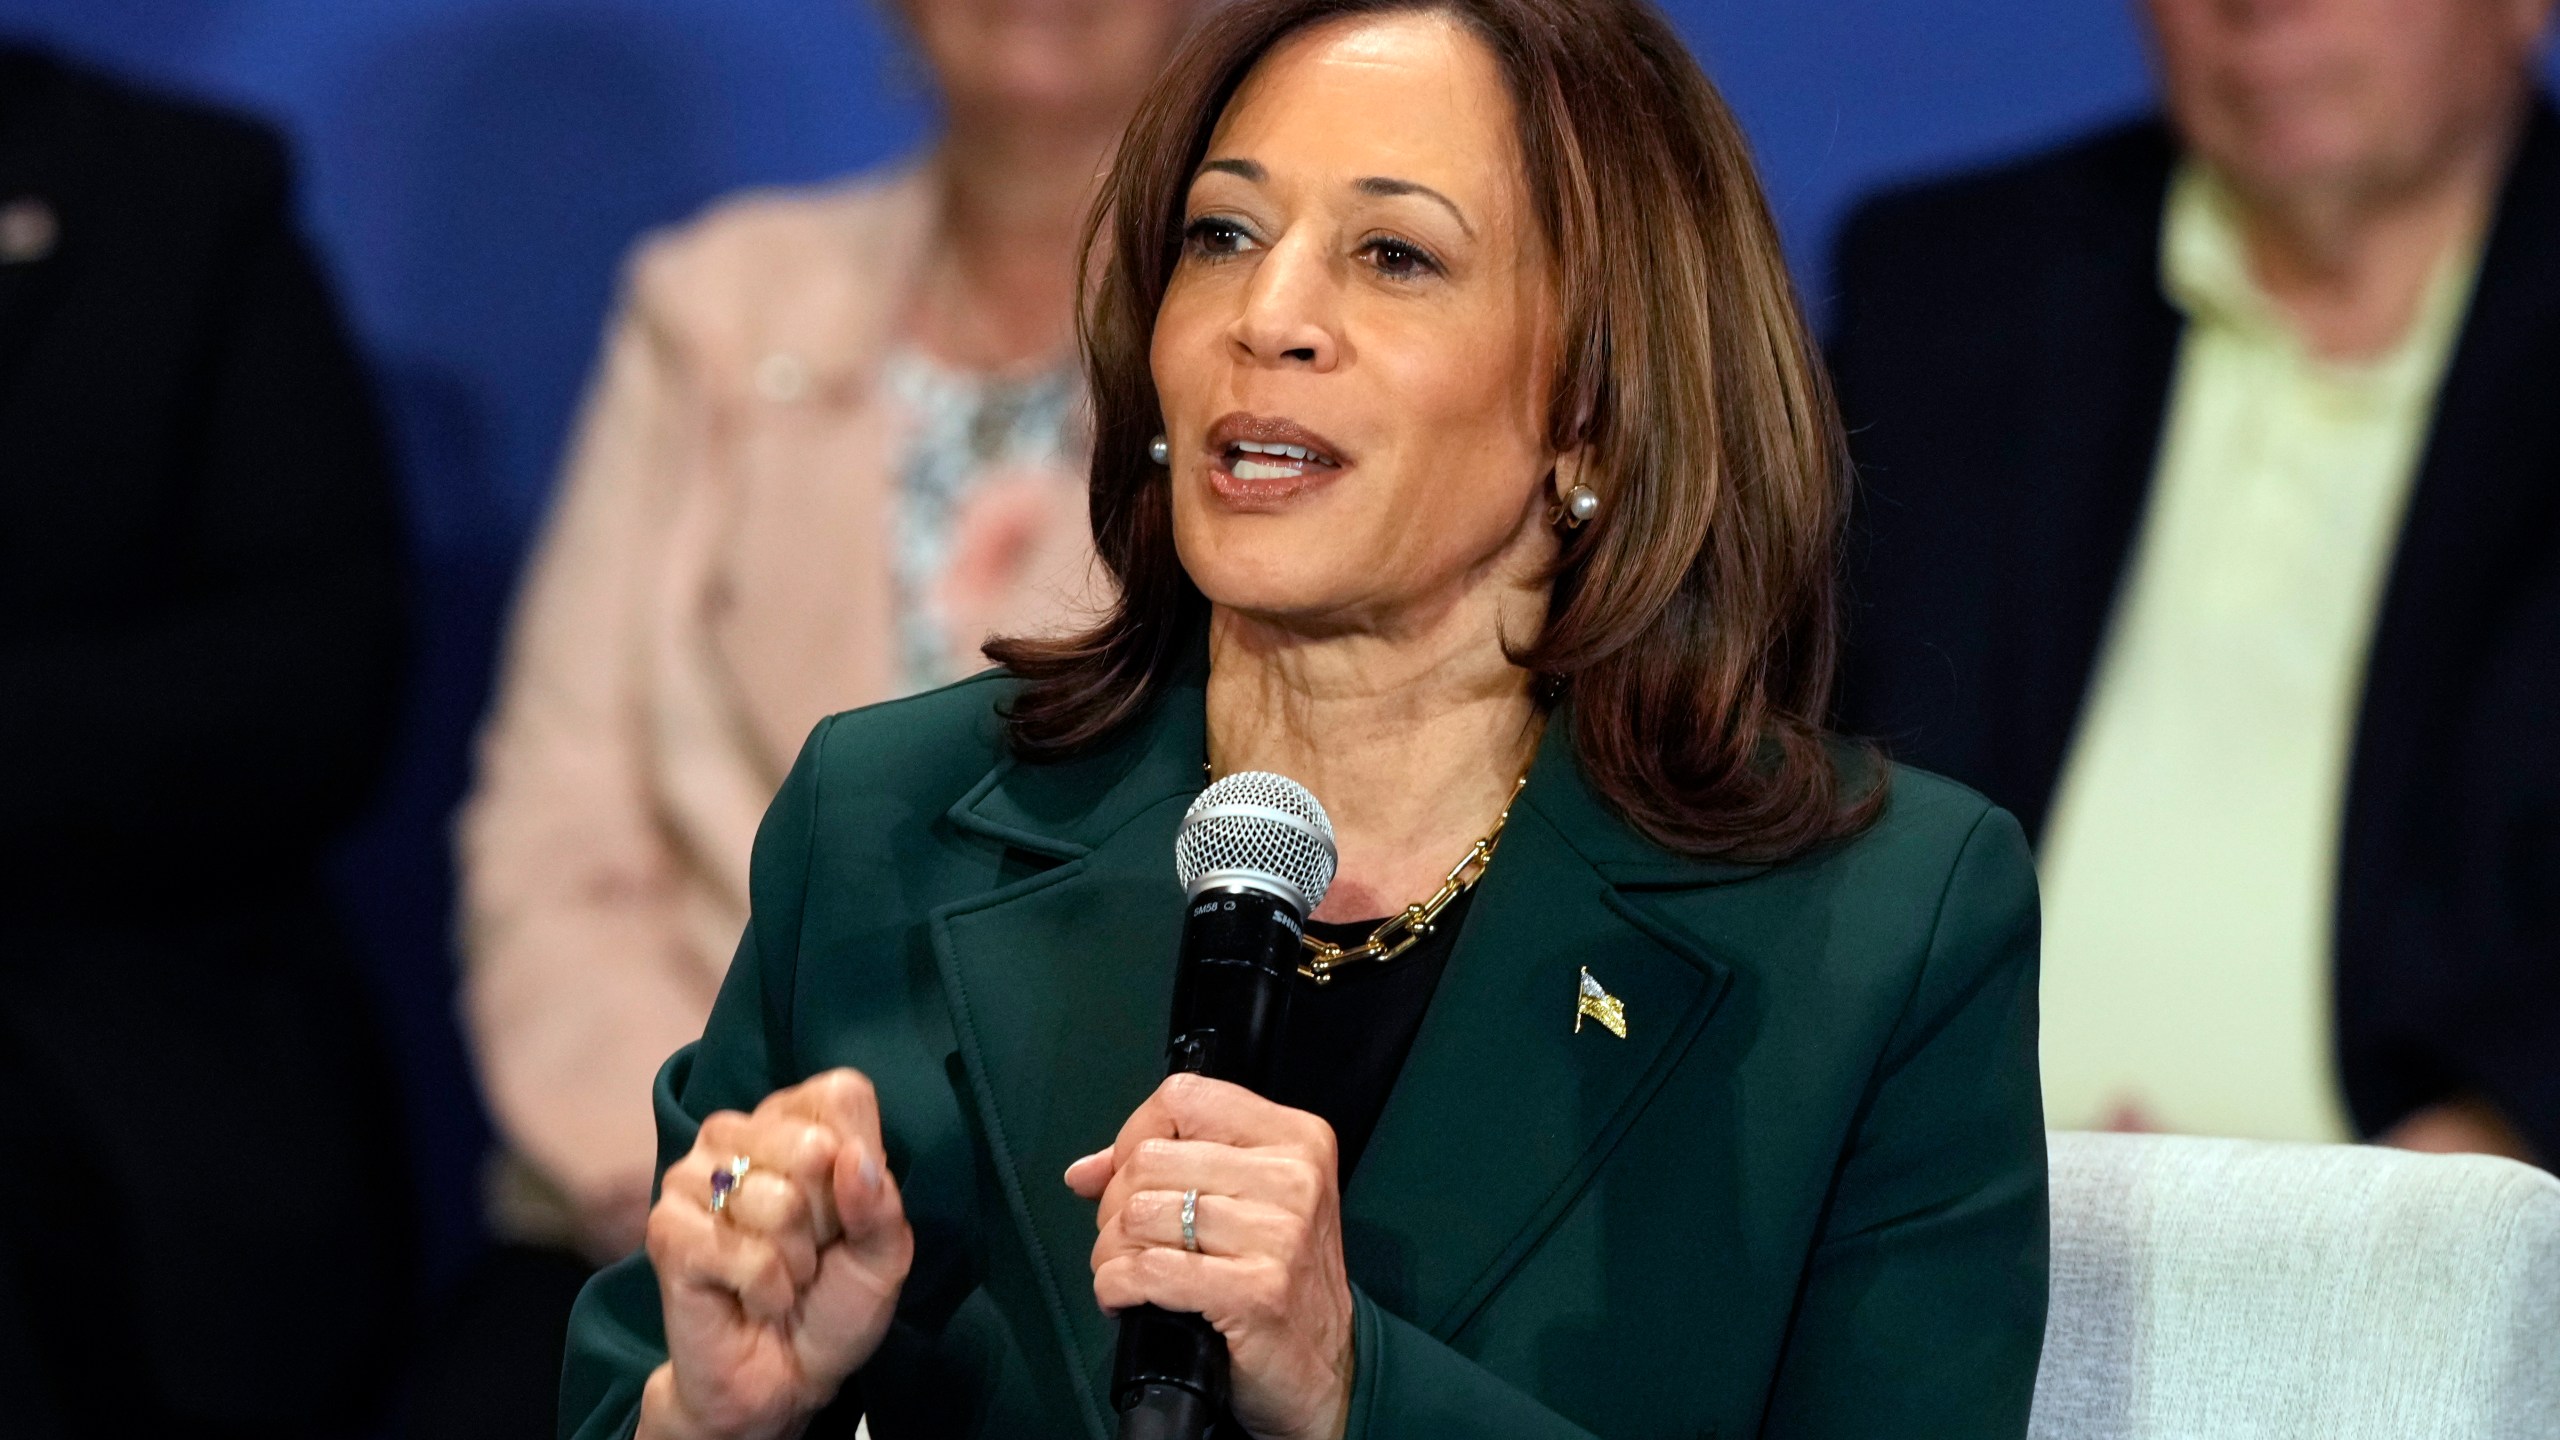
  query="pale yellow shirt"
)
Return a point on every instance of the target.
[{"x": 2189, "y": 870}]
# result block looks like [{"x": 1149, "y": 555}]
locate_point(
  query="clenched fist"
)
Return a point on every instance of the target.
[{"x": 774, "y": 1299}]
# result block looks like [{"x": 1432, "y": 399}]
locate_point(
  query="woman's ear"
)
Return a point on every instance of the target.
[
  {"x": 1568, "y": 472},
  {"x": 1575, "y": 501}
]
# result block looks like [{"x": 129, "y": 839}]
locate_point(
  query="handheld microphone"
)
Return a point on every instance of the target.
[{"x": 1255, "y": 855}]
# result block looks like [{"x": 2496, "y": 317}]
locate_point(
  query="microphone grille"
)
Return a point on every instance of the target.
[{"x": 1261, "y": 824}]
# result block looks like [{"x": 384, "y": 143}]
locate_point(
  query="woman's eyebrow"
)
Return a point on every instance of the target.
[
  {"x": 1388, "y": 186},
  {"x": 1380, "y": 185}
]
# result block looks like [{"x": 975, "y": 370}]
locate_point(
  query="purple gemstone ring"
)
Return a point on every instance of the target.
[{"x": 724, "y": 1183}]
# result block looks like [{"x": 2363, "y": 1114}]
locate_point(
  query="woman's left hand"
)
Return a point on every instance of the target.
[{"x": 1269, "y": 1272}]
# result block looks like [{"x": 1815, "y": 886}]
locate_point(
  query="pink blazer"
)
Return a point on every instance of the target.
[{"x": 714, "y": 578}]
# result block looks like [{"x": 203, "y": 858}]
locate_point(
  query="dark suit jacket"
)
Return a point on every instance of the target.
[
  {"x": 1805, "y": 1196},
  {"x": 200, "y": 637},
  {"x": 2004, "y": 353}
]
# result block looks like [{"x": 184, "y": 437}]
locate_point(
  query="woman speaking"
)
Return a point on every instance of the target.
[{"x": 1460, "y": 454}]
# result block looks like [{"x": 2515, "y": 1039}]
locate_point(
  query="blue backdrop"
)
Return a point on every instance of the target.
[{"x": 472, "y": 169}]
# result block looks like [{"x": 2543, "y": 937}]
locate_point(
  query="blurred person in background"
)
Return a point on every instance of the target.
[
  {"x": 836, "y": 440},
  {"x": 2212, "y": 511},
  {"x": 201, "y": 640}
]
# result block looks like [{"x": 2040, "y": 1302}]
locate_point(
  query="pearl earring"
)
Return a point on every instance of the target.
[
  {"x": 1159, "y": 451},
  {"x": 1579, "y": 504}
]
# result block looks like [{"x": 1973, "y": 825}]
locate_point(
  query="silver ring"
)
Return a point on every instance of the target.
[
  {"x": 724, "y": 1183},
  {"x": 1191, "y": 1221}
]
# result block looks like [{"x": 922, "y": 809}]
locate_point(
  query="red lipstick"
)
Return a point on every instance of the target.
[{"x": 1259, "y": 462}]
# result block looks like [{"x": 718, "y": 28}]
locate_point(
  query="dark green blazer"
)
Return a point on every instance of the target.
[{"x": 1805, "y": 1195}]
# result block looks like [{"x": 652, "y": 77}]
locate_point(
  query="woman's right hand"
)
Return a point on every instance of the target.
[{"x": 772, "y": 1303}]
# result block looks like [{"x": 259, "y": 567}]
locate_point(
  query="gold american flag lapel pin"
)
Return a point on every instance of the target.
[{"x": 1595, "y": 1003}]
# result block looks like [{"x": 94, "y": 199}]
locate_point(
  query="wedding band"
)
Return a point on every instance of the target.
[
  {"x": 1190, "y": 1221},
  {"x": 724, "y": 1183}
]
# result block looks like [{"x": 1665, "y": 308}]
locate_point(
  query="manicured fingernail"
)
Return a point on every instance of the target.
[{"x": 869, "y": 1173}]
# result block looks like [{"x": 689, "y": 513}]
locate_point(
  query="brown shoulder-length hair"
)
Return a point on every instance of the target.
[{"x": 1692, "y": 629}]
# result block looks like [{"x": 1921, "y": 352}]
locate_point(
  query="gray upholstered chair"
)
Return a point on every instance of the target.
[{"x": 2232, "y": 1290}]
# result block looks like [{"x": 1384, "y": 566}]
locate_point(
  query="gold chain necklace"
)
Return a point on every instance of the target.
[{"x": 1406, "y": 928}]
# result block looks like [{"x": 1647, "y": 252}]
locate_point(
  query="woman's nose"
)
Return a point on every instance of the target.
[{"x": 1289, "y": 311}]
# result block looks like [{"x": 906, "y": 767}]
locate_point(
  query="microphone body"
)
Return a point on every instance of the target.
[
  {"x": 1230, "y": 999},
  {"x": 1256, "y": 854}
]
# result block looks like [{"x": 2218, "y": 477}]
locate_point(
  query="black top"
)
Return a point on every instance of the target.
[
  {"x": 201, "y": 630},
  {"x": 2004, "y": 358},
  {"x": 1348, "y": 1037},
  {"x": 199, "y": 535}
]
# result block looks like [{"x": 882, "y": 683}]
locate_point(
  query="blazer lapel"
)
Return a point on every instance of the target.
[
  {"x": 2087, "y": 442},
  {"x": 1060, "y": 985},
  {"x": 2482, "y": 516},
  {"x": 2484, "y": 506},
  {"x": 1503, "y": 1112}
]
